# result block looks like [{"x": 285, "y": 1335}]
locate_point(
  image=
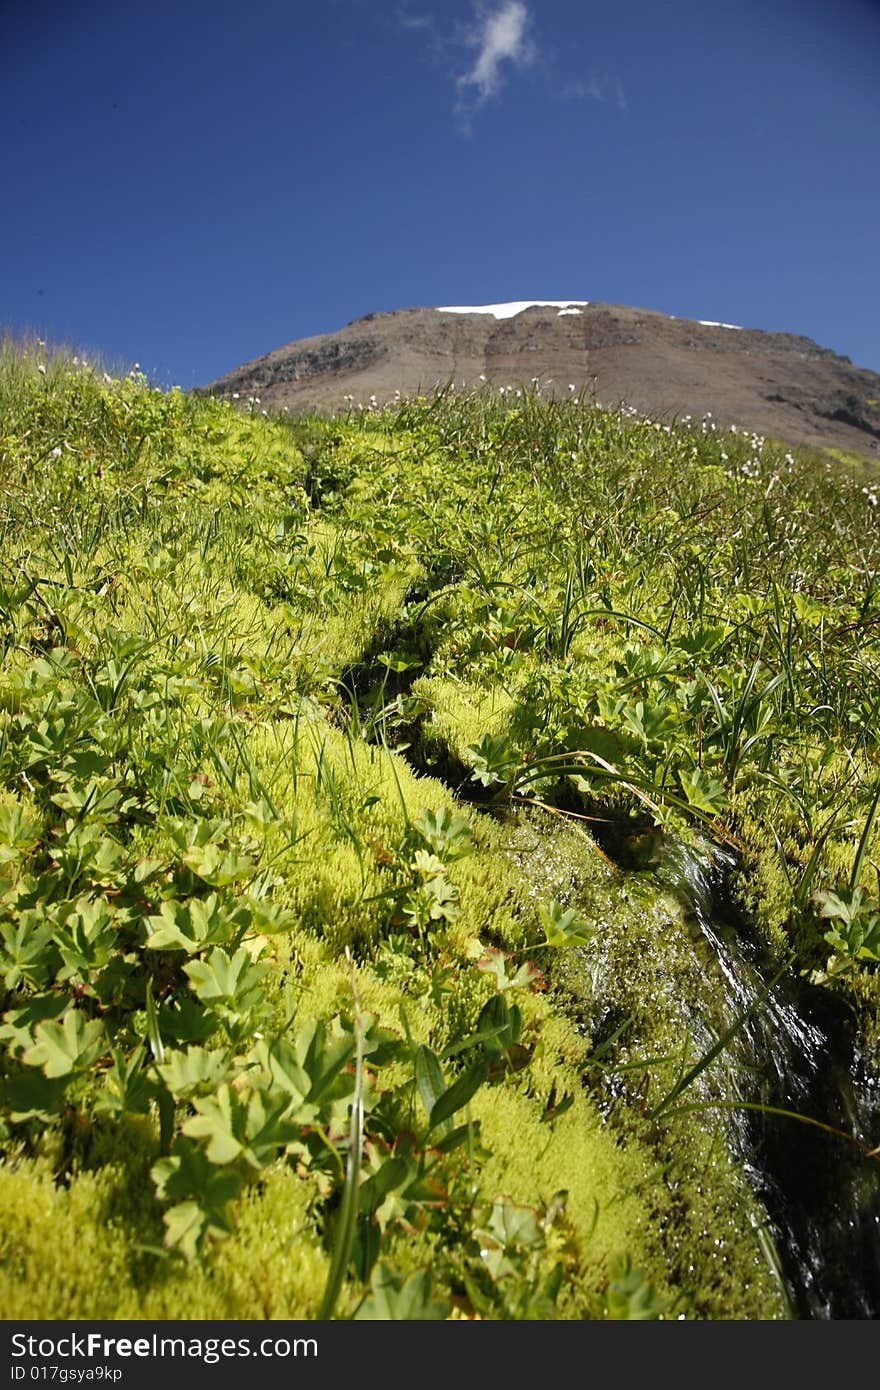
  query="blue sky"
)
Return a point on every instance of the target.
[{"x": 187, "y": 184}]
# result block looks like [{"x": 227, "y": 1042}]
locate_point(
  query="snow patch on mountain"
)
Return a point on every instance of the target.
[{"x": 516, "y": 306}]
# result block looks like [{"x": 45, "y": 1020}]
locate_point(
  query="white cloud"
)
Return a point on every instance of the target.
[
  {"x": 498, "y": 40},
  {"x": 500, "y": 36}
]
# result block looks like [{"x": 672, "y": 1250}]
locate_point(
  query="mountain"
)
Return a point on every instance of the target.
[{"x": 779, "y": 384}]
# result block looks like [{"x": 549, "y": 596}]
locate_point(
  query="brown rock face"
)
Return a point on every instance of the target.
[{"x": 778, "y": 384}]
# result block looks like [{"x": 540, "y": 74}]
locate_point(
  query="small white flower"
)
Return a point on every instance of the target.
[{"x": 56, "y": 452}]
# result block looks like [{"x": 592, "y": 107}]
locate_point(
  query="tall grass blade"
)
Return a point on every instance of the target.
[
  {"x": 348, "y": 1209},
  {"x": 865, "y": 840}
]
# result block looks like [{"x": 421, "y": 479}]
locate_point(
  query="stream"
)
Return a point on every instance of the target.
[
  {"x": 793, "y": 1048},
  {"x": 795, "y": 1051}
]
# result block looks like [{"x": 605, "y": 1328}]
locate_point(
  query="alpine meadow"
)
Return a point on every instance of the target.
[{"x": 439, "y": 859}]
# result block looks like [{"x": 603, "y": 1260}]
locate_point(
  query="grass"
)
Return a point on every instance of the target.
[{"x": 293, "y": 714}]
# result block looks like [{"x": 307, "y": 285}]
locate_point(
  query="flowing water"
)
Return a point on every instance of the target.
[
  {"x": 793, "y": 1048},
  {"x": 796, "y": 1051}
]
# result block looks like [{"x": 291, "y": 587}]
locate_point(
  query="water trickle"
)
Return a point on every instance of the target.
[
  {"x": 671, "y": 944},
  {"x": 796, "y": 1051}
]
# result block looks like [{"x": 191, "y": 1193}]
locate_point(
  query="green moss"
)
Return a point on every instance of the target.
[{"x": 76, "y": 1252}]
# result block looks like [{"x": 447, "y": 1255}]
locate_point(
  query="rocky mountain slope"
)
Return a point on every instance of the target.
[{"x": 779, "y": 384}]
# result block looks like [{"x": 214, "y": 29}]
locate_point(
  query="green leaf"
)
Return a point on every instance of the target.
[
  {"x": 16, "y": 1027},
  {"x": 563, "y": 927},
  {"x": 493, "y": 758},
  {"x": 127, "y": 1088},
  {"x": 494, "y": 963},
  {"x": 216, "y": 865},
  {"x": 26, "y": 952},
  {"x": 32, "y": 1096},
  {"x": 499, "y": 1023},
  {"x": 459, "y": 1093},
  {"x": 88, "y": 938},
  {"x": 253, "y": 1127},
  {"x": 184, "y": 1019},
  {"x": 20, "y": 831},
  {"x": 188, "y": 1172},
  {"x": 195, "y": 1071},
  {"x": 449, "y": 836},
  {"x": 234, "y": 981},
  {"x": 154, "y": 1031},
  {"x": 220, "y": 1121},
  {"x": 396, "y": 1297},
  {"x": 72, "y": 1045},
  {"x": 848, "y": 904},
  {"x": 468, "y": 1133},
  {"x": 429, "y": 1077},
  {"x": 631, "y": 1296},
  {"x": 192, "y": 925},
  {"x": 704, "y": 793},
  {"x": 514, "y": 1225},
  {"x": 184, "y": 1225},
  {"x": 312, "y": 1069}
]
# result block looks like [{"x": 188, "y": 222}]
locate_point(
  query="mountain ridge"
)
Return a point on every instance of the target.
[{"x": 777, "y": 383}]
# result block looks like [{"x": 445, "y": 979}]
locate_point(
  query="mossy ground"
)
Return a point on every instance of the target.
[{"x": 252, "y": 675}]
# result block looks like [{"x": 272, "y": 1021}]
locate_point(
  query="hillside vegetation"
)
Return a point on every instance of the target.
[{"x": 331, "y": 753}]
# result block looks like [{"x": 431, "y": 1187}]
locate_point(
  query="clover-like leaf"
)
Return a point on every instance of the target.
[
  {"x": 216, "y": 865},
  {"x": 25, "y": 950},
  {"x": 492, "y": 758},
  {"x": 704, "y": 793},
  {"x": 32, "y": 1096},
  {"x": 69, "y": 1046},
  {"x": 563, "y": 927},
  {"x": 87, "y": 939},
  {"x": 401, "y": 1297},
  {"x": 253, "y": 1127},
  {"x": 185, "y": 1223},
  {"x": 449, "y": 836},
  {"x": 312, "y": 1069},
  {"x": 230, "y": 980},
  {"x": 192, "y": 925},
  {"x": 200, "y": 1193},
  {"x": 195, "y": 1071},
  {"x": 631, "y": 1296},
  {"x": 127, "y": 1087},
  {"x": 20, "y": 831}
]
